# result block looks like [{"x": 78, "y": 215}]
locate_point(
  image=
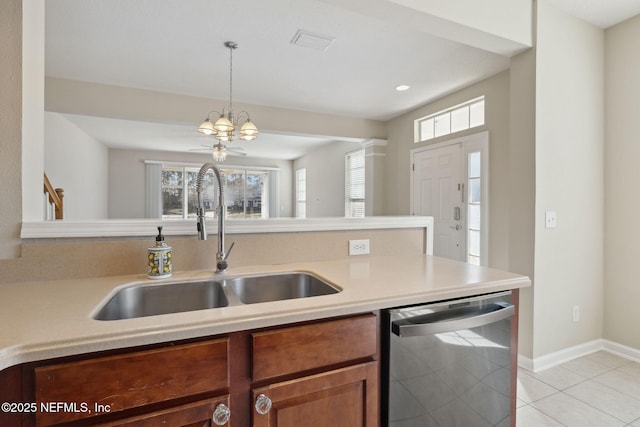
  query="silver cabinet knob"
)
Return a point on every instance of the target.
[
  {"x": 221, "y": 415},
  {"x": 263, "y": 404}
]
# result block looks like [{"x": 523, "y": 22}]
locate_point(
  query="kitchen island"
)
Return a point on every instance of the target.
[{"x": 53, "y": 320}]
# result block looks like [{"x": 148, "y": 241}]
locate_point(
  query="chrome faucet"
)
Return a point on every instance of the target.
[{"x": 221, "y": 255}]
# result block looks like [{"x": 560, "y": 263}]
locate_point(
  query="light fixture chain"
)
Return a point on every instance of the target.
[
  {"x": 224, "y": 127},
  {"x": 231, "y": 82}
]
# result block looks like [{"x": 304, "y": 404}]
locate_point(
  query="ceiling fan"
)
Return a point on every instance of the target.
[{"x": 220, "y": 151}]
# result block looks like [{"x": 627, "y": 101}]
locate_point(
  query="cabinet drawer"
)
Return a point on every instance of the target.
[
  {"x": 192, "y": 414},
  {"x": 301, "y": 348},
  {"x": 130, "y": 380}
]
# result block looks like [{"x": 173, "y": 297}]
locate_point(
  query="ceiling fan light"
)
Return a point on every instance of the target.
[
  {"x": 207, "y": 127},
  {"x": 248, "y": 131},
  {"x": 223, "y": 124},
  {"x": 219, "y": 153}
]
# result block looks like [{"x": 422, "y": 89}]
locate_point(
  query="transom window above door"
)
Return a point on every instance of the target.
[{"x": 460, "y": 117}]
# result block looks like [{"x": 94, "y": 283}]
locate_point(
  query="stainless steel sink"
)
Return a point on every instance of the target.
[
  {"x": 278, "y": 287},
  {"x": 153, "y": 299},
  {"x": 150, "y": 299}
]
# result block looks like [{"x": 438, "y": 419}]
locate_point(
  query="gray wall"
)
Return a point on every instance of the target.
[
  {"x": 400, "y": 131},
  {"x": 10, "y": 127},
  {"x": 325, "y": 178},
  {"x": 622, "y": 199},
  {"x": 569, "y": 180},
  {"x": 77, "y": 163}
]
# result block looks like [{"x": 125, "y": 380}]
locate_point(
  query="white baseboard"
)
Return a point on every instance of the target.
[
  {"x": 622, "y": 350},
  {"x": 558, "y": 357}
]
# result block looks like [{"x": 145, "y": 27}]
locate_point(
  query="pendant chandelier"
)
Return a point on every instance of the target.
[{"x": 227, "y": 122}]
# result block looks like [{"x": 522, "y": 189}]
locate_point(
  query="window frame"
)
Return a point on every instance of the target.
[
  {"x": 301, "y": 202},
  {"x": 194, "y": 168},
  {"x": 439, "y": 124},
  {"x": 355, "y": 203}
]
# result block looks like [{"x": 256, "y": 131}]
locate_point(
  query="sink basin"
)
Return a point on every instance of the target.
[
  {"x": 152, "y": 299},
  {"x": 277, "y": 287}
]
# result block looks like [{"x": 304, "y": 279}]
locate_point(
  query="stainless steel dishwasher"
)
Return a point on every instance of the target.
[{"x": 448, "y": 364}]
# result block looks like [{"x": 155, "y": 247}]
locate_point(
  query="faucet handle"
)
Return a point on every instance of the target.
[{"x": 229, "y": 251}]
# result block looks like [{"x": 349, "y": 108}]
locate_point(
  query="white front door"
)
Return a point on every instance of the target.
[{"x": 438, "y": 186}]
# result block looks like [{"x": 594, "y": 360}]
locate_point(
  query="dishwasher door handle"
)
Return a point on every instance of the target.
[{"x": 452, "y": 320}]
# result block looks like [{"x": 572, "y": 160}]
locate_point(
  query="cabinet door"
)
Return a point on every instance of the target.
[
  {"x": 197, "y": 414},
  {"x": 346, "y": 397}
]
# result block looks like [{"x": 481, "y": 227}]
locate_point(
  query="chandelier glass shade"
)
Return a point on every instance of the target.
[{"x": 228, "y": 125}]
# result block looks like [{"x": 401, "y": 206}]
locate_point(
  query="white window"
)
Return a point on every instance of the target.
[
  {"x": 246, "y": 192},
  {"x": 474, "y": 207},
  {"x": 301, "y": 193},
  {"x": 455, "y": 119},
  {"x": 354, "y": 184}
]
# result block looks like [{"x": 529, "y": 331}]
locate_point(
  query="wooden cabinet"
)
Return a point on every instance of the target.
[
  {"x": 296, "y": 349},
  {"x": 322, "y": 373},
  {"x": 108, "y": 385},
  {"x": 346, "y": 397},
  {"x": 197, "y": 414}
]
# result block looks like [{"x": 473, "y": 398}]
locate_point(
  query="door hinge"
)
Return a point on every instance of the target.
[{"x": 413, "y": 167}]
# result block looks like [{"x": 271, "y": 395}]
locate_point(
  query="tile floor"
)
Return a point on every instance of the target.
[{"x": 598, "y": 390}]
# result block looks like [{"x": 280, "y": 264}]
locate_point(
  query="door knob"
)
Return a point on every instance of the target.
[{"x": 457, "y": 227}]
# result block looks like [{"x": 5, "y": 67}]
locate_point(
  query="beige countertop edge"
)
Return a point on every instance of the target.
[{"x": 100, "y": 336}]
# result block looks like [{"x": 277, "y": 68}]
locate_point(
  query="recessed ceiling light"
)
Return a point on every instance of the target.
[{"x": 401, "y": 88}]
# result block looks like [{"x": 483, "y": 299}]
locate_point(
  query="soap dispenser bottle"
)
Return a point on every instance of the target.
[{"x": 159, "y": 259}]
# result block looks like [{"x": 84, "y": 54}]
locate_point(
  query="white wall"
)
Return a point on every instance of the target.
[
  {"x": 325, "y": 178},
  {"x": 569, "y": 180},
  {"x": 127, "y": 190},
  {"x": 622, "y": 177},
  {"x": 77, "y": 163}
]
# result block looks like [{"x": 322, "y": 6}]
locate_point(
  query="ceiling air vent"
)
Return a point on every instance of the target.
[{"x": 312, "y": 41}]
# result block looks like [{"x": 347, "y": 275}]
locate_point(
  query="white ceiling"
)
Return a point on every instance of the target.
[
  {"x": 177, "y": 47},
  {"x": 601, "y": 13}
]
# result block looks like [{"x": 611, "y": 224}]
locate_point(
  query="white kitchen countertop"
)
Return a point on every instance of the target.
[{"x": 42, "y": 320}]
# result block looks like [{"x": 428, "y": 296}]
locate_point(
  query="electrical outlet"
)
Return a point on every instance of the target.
[
  {"x": 359, "y": 247},
  {"x": 550, "y": 219},
  {"x": 576, "y": 313}
]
